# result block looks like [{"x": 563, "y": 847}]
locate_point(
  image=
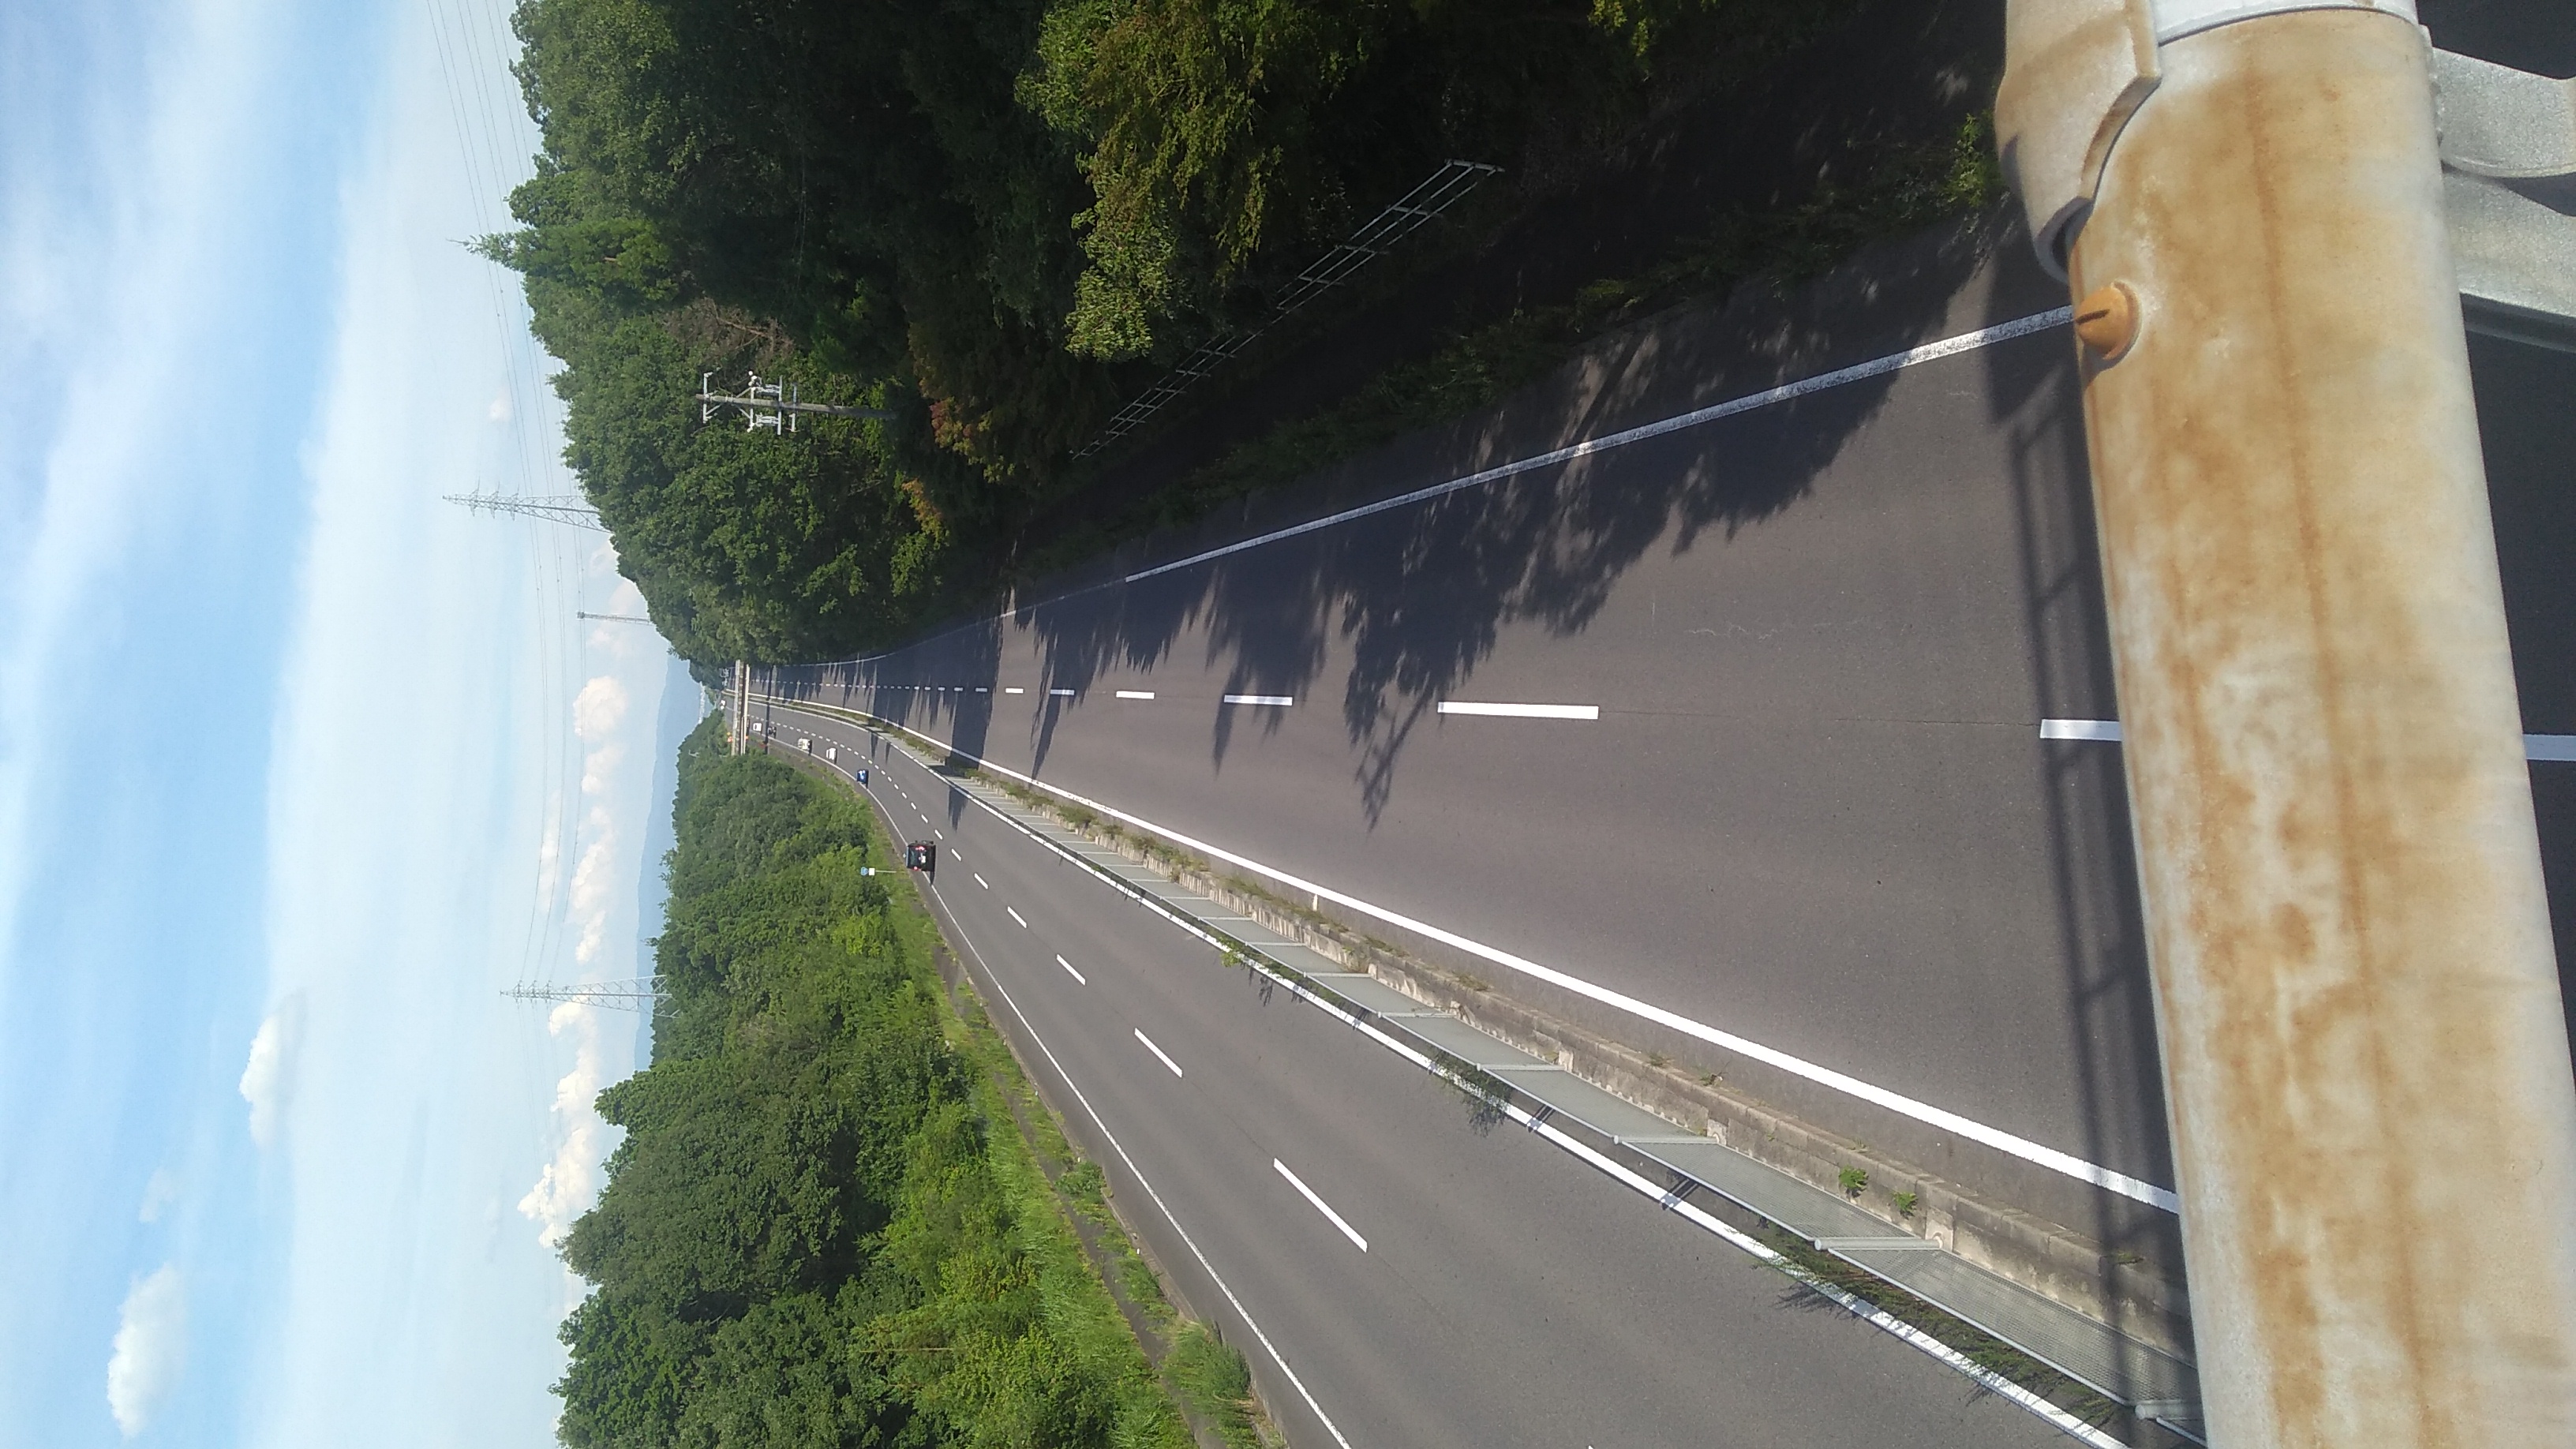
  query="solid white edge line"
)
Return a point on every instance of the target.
[
  {"x": 1858, "y": 1307},
  {"x": 1135, "y": 694},
  {"x": 1857, "y": 372},
  {"x": 1522, "y": 711},
  {"x": 1024, "y": 925},
  {"x": 1877, "y": 1318},
  {"x": 1068, "y": 966},
  {"x": 1875, "y": 367},
  {"x": 2549, "y": 747},
  {"x": 1321, "y": 1206},
  {"x": 1995, "y": 1137},
  {"x": 1164, "y": 1056},
  {"x": 1141, "y": 1181},
  {"x": 1283, "y": 701}
]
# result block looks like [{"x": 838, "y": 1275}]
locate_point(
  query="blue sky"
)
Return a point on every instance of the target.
[{"x": 299, "y": 765}]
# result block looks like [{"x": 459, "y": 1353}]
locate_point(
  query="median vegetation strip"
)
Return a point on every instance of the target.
[{"x": 830, "y": 1220}]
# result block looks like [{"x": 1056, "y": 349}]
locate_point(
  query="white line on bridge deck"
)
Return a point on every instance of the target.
[
  {"x": 2536, "y": 748},
  {"x": 1522, "y": 711}
]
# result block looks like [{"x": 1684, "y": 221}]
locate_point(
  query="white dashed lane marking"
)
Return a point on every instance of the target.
[
  {"x": 1321, "y": 1206},
  {"x": 1522, "y": 711},
  {"x": 1158, "y": 1051}
]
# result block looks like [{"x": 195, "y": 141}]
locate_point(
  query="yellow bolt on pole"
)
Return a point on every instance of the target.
[{"x": 2365, "y": 1060}]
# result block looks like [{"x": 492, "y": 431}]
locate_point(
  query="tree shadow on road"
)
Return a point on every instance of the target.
[{"x": 1417, "y": 597}]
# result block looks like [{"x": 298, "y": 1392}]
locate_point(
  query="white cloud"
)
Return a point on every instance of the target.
[
  {"x": 158, "y": 1195},
  {"x": 595, "y": 890},
  {"x": 500, "y": 409},
  {"x": 550, "y": 855},
  {"x": 599, "y": 767},
  {"x": 598, "y": 708},
  {"x": 568, "y": 1184},
  {"x": 151, "y": 1348},
  {"x": 598, "y": 880},
  {"x": 268, "y": 1081}
]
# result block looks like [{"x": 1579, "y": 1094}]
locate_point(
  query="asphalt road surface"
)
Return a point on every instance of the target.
[
  {"x": 1814, "y": 809},
  {"x": 1789, "y": 722},
  {"x": 1479, "y": 1288}
]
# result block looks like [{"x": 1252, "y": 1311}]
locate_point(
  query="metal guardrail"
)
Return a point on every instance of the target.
[{"x": 1375, "y": 238}]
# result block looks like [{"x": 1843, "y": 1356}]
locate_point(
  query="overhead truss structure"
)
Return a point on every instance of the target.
[{"x": 1443, "y": 189}]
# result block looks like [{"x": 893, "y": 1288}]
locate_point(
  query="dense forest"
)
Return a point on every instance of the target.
[
  {"x": 995, "y": 218},
  {"x": 821, "y": 1229}
]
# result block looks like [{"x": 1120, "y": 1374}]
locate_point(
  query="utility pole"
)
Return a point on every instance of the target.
[
  {"x": 771, "y": 405},
  {"x": 635, "y": 993},
  {"x": 569, "y": 508},
  {"x": 741, "y": 707},
  {"x": 2365, "y": 1060}
]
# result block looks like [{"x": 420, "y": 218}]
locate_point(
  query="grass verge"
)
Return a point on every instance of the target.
[{"x": 1101, "y": 1291}]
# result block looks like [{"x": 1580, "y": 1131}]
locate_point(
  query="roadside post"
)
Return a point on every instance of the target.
[{"x": 2267, "y": 212}]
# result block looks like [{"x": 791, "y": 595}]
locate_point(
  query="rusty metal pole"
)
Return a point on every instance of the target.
[{"x": 2366, "y": 1064}]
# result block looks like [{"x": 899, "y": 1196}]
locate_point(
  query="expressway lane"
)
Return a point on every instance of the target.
[
  {"x": 1802, "y": 794},
  {"x": 1832, "y": 763},
  {"x": 1506, "y": 1295}
]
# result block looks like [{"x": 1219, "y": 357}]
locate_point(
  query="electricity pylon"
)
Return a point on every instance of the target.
[
  {"x": 569, "y": 508},
  {"x": 635, "y": 993}
]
